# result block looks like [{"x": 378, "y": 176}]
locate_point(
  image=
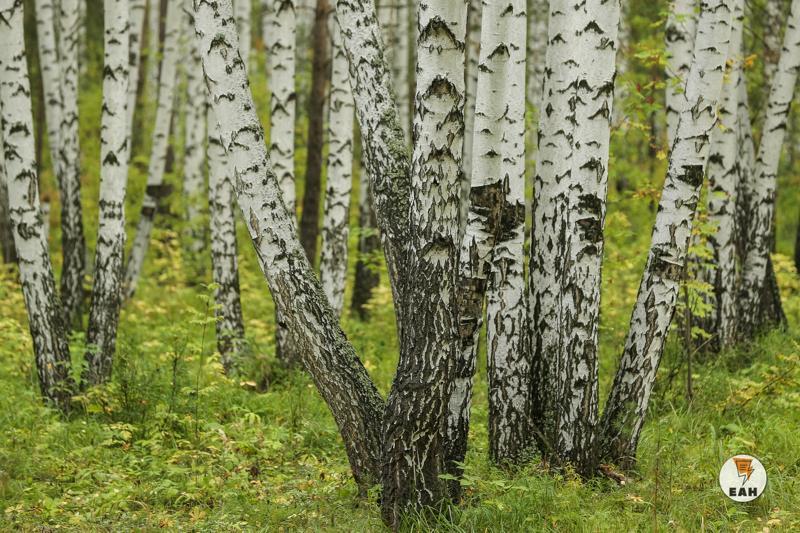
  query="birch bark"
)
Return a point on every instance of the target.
[
  {"x": 156, "y": 189},
  {"x": 680, "y": 37},
  {"x": 568, "y": 217},
  {"x": 763, "y": 187},
  {"x": 723, "y": 176},
  {"x": 107, "y": 290},
  {"x": 72, "y": 236},
  {"x": 327, "y": 355},
  {"x": 336, "y": 218},
  {"x": 473, "y": 57},
  {"x": 45, "y": 316},
  {"x": 224, "y": 260},
  {"x": 51, "y": 86},
  {"x": 137, "y": 16},
  {"x": 417, "y": 404},
  {"x": 655, "y": 304}
]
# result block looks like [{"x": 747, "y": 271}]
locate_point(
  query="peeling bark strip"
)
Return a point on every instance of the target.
[
  {"x": 194, "y": 144},
  {"x": 36, "y": 273},
  {"x": 50, "y": 65},
  {"x": 336, "y": 218},
  {"x": 723, "y": 178},
  {"x": 413, "y": 455},
  {"x": 158, "y": 152},
  {"x": 764, "y": 181},
  {"x": 327, "y": 355},
  {"x": 679, "y": 35},
  {"x": 107, "y": 290},
  {"x": 571, "y": 183},
  {"x": 72, "y": 238},
  {"x": 224, "y": 260},
  {"x": 655, "y": 305},
  {"x": 137, "y": 15},
  {"x": 491, "y": 257}
]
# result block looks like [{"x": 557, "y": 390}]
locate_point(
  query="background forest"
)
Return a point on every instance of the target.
[{"x": 198, "y": 429}]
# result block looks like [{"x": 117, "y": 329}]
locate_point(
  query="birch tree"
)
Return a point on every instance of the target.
[
  {"x": 723, "y": 176},
  {"x": 655, "y": 303},
  {"x": 680, "y": 36},
  {"x": 114, "y": 146},
  {"x": 224, "y": 260},
  {"x": 367, "y": 276},
  {"x": 473, "y": 57},
  {"x": 336, "y": 219},
  {"x": 45, "y": 320},
  {"x": 73, "y": 244},
  {"x": 156, "y": 189},
  {"x": 137, "y": 18},
  {"x": 51, "y": 85},
  {"x": 764, "y": 180},
  {"x": 153, "y": 44}
]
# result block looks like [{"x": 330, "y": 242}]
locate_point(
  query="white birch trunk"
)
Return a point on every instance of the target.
[
  {"x": 114, "y": 146},
  {"x": 413, "y": 447},
  {"x": 153, "y": 44},
  {"x": 137, "y": 17},
  {"x": 764, "y": 180},
  {"x": 473, "y": 57},
  {"x": 774, "y": 17},
  {"x": 51, "y": 85},
  {"x": 224, "y": 260},
  {"x": 243, "y": 13},
  {"x": 680, "y": 35},
  {"x": 655, "y": 304},
  {"x": 336, "y": 219},
  {"x": 194, "y": 148},
  {"x": 723, "y": 178},
  {"x": 50, "y": 347},
  {"x": 156, "y": 189},
  {"x": 72, "y": 236},
  {"x": 571, "y": 183},
  {"x": 327, "y": 355}
]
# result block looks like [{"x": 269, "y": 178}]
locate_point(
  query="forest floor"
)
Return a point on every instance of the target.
[{"x": 172, "y": 443}]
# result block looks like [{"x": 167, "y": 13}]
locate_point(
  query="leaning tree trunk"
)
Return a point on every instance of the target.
[
  {"x": 417, "y": 404},
  {"x": 280, "y": 33},
  {"x": 723, "y": 177},
  {"x": 491, "y": 257},
  {"x": 36, "y": 273},
  {"x": 243, "y": 12},
  {"x": 336, "y": 219},
  {"x": 6, "y": 235},
  {"x": 72, "y": 239},
  {"x": 224, "y": 261},
  {"x": 327, "y": 355},
  {"x": 367, "y": 275},
  {"x": 49, "y": 65},
  {"x": 680, "y": 35},
  {"x": 658, "y": 292},
  {"x": 764, "y": 178},
  {"x": 194, "y": 147},
  {"x": 156, "y": 189},
  {"x": 472, "y": 69},
  {"x": 320, "y": 74},
  {"x": 568, "y": 217},
  {"x": 107, "y": 290},
  {"x": 137, "y": 16}
]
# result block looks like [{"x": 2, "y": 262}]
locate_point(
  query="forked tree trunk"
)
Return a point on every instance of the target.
[
  {"x": 194, "y": 149},
  {"x": 413, "y": 447},
  {"x": 680, "y": 35},
  {"x": 243, "y": 12},
  {"x": 369, "y": 242},
  {"x": 45, "y": 315},
  {"x": 491, "y": 250},
  {"x": 50, "y": 65},
  {"x": 320, "y": 74},
  {"x": 107, "y": 289},
  {"x": 156, "y": 189},
  {"x": 655, "y": 304},
  {"x": 137, "y": 17},
  {"x": 224, "y": 260},
  {"x": 764, "y": 178},
  {"x": 73, "y": 242},
  {"x": 723, "y": 177},
  {"x": 327, "y": 355},
  {"x": 336, "y": 218},
  {"x": 568, "y": 218}
]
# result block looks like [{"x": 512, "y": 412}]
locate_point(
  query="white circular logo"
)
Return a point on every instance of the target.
[{"x": 743, "y": 478}]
